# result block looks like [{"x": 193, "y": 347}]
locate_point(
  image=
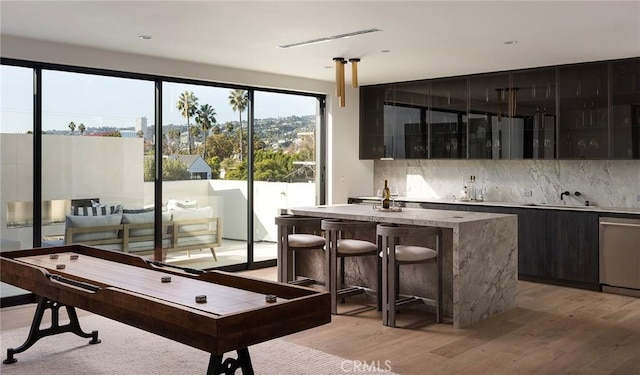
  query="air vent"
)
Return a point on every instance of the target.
[{"x": 329, "y": 38}]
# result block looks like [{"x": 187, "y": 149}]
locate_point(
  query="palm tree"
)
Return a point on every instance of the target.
[
  {"x": 72, "y": 127},
  {"x": 238, "y": 100},
  {"x": 173, "y": 134},
  {"x": 81, "y": 128},
  {"x": 206, "y": 117},
  {"x": 187, "y": 104}
]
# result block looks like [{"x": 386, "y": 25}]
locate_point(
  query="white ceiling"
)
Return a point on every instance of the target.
[{"x": 426, "y": 39}]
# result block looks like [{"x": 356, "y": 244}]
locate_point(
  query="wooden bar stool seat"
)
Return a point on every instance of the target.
[
  {"x": 394, "y": 254},
  {"x": 296, "y": 233},
  {"x": 341, "y": 242}
]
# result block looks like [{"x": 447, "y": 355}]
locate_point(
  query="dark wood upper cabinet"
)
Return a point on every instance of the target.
[
  {"x": 579, "y": 111},
  {"x": 625, "y": 109},
  {"x": 534, "y": 131},
  {"x": 447, "y": 118},
  {"x": 584, "y": 121},
  {"x": 405, "y": 120},
  {"x": 490, "y": 117},
  {"x": 372, "y": 122}
]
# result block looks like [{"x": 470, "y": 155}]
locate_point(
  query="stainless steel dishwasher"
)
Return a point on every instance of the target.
[{"x": 620, "y": 256}]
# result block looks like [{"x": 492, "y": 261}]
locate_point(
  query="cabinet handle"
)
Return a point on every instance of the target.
[{"x": 619, "y": 224}]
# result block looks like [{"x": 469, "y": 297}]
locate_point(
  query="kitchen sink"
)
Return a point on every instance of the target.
[{"x": 556, "y": 205}]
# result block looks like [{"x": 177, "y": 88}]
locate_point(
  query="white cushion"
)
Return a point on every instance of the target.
[
  {"x": 175, "y": 204},
  {"x": 74, "y": 221},
  {"x": 303, "y": 240},
  {"x": 407, "y": 253},
  {"x": 190, "y": 214},
  {"x": 143, "y": 218},
  {"x": 354, "y": 247}
]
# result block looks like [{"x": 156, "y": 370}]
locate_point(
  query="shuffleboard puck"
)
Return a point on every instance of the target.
[
  {"x": 73, "y": 256},
  {"x": 271, "y": 298},
  {"x": 53, "y": 256},
  {"x": 60, "y": 266},
  {"x": 201, "y": 299},
  {"x": 165, "y": 279}
]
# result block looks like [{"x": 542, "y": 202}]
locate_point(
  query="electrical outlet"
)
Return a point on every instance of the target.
[{"x": 527, "y": 192}]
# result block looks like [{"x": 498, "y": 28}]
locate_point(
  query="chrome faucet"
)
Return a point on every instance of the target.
[{"x": 563, "y": 194}]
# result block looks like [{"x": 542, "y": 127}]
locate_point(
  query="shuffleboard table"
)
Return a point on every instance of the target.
[{"x": 214, "y": 311}]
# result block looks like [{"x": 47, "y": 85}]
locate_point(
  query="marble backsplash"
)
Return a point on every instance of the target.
[{"x": 605, "y": 183}]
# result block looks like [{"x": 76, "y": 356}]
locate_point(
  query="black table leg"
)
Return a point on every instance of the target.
[
  {"x": 230, "y": 365},
  {"x": 36, "y": 333}
]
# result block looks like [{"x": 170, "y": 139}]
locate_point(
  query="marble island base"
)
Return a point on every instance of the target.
[{"x": 479, "y": 259}]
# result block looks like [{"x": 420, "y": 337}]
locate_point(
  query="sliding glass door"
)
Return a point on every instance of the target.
[
  {"x": 94, "y": 146},
  {"x": 16, "y": 163},
  {"x": 204, "y": 173},
  {"x": 285, "y": 138}
]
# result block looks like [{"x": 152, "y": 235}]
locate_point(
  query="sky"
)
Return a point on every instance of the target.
[{"x": 97, "y": 101}]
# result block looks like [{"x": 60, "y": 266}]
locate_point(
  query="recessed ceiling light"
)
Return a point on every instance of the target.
[
  {"x": 145, "y": 37},
  {"x": 511, "y": 42},
  {"x": 328, "y": 38}
]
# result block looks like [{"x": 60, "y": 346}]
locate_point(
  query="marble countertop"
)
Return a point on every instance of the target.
[
  {"x": 414, "y": 216},
  {"x": 544, "y": 206}
]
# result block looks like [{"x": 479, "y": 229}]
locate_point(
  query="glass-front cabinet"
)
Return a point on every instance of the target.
[
  {"x": 579, "y": 111},
  {"x": 405, "y": 121},
  {"x": 534, "y": 111},
  {"x": 490, "y": 114},
  {"x": 583, "y": 111},
  {"x": 393, "y": 121},
  {"x": 625, "y": 109},
  {"x": 448, "y": 118},
  {"x": 372, "y": 122}
]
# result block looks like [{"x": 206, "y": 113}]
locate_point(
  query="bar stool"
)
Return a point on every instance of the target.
[
  {"x": 296, "y": 233},
  {"x": 395, "y": 254},
  {"x": 343, "y": 242}
]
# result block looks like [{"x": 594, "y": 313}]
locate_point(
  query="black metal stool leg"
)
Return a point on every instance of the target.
[
  {"x": 35, "y": 333},
  {"x": 230, "y": 365}
]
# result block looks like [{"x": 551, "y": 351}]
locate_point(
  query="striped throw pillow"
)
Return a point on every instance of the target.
[{"x": 97, "y": 210}]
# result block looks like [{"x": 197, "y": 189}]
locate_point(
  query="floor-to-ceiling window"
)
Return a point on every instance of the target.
[
  {"x": 96, "y": 141},
  {"x": 16, "y": 162},
  {"x": 285, "y": 137},
  {"x": 204, "y": 173}
]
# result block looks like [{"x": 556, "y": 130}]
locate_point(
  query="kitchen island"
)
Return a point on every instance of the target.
[{"x": 480, "y": 257}]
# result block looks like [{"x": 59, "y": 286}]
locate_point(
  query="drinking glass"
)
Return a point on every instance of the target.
[
  {"x": 380, "y": 196},
  {"x": 393, "y": 191}
]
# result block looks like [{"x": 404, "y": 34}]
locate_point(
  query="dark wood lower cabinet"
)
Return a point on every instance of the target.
[
  {"x": 554, "y": 246},
  {"x": 573, "y": 241}
]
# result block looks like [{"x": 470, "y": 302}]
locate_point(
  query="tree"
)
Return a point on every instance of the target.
[
  {"x": 220, "y": 145},
  {"x": 206, "y": 117},
  {"x": 72, "y": 127},
  {"x": 114, "y": 133},
  {"x": 238, "y": 100},
  {"x": 81, "y": 128},
  {"x": 187, "y": 104},
  {"x": 140, "y": 134},
  {"x": 173, "y": 136},
  {"x": 172, "y": 170}
]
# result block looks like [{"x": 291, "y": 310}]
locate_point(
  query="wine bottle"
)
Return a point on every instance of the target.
[{"x": 386, "y": 194}]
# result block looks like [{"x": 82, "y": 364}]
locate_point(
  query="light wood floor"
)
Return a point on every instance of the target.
[{"x": 552, "y": 330}]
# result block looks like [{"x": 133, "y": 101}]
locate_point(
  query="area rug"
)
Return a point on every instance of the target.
[{"x": 126, "y": 351}]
